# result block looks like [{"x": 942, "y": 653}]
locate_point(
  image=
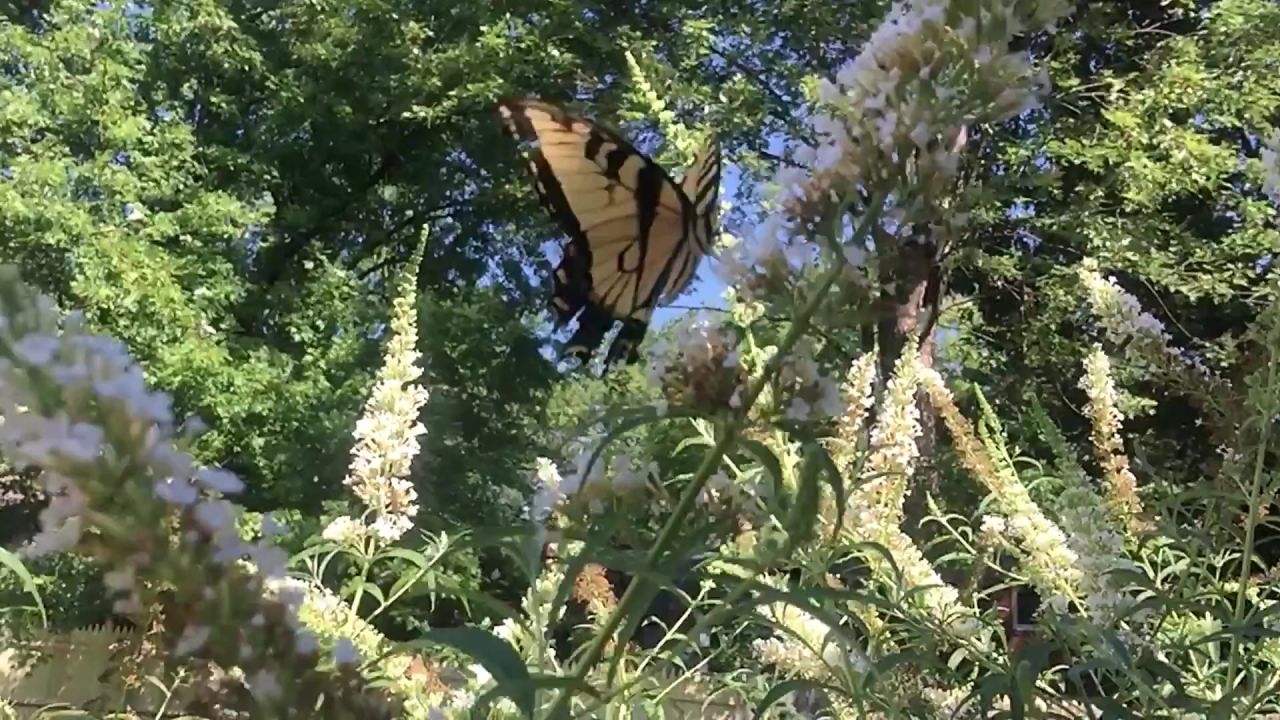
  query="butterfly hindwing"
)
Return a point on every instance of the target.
[
  {"x": 701, "y": 186},
  {"x": 635, "y": 235}
]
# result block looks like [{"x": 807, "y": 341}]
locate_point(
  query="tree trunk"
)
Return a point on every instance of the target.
[{"x": 910, "y": 287}]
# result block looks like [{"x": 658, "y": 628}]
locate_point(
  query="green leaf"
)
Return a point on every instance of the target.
[
  {"x": 11, "y": 562},
  {"x": 836, "y": 478},
  {"x": 405, "y": 583},
  {"x": 320, "y": 548},
  {"x": 802, "y": 518},
  {"x": 494, "y": 654},
  {"x": 781, "y": 690},
  {"x": 769, "y": 460},
  {"x": 1021, "y": 690}
]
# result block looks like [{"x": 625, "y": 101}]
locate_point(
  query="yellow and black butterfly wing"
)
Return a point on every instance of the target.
[
  {"x": 701, "y": 187},
  {"x": 628, "y": 223}
]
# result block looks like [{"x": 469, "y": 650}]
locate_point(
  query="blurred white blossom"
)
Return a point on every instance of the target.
[
  {"x": 699, "y": 366},
  {"x": 1271, "y": 166},
  {"x": 1048, "y": 560},
  {"x": 74, "y": 405},
  {"x": 874, "y": 511},
  {"x": 1122, "y": 486}
]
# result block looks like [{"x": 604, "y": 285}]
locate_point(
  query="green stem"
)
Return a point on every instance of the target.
[
  {"x": 1255, "y": 499},
  {"x": 711, "y": 461},
  {"x": 366, "y": 563}
]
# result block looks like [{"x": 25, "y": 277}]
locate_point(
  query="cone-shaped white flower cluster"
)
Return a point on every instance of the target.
[
  {"x": 387, "y": 434},
  {"x": 75, "y": 405}
]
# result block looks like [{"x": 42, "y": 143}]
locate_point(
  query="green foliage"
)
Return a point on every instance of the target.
[
  {"x": 1142, "y": 159},
  {"x": 489, "y": 383},
  {"x": 70, "y": 592},
  {"x": 231, "y": 190}
]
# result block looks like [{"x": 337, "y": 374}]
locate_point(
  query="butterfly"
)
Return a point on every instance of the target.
[{"x": 635, "y": 236}]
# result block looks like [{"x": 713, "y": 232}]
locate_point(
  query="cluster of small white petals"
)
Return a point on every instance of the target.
[
  {"x": 1122, "y": 486},
  {"x": 1047, "y": 558},
  {"x": 1120, "y": 313},
  {"x": 548, "y": 490},
  {"x": 530, "y": 634},
  {"x": 675, "y": 132},
  {"x": 1271, "y": 166},
  {"x": 594, "y": 480},
  {"x": 893, "y": 437},
  {"x": 1098, "y": 546},
  {"x": 741, "y": 496},
  {"x": 387, "y": 434},
  {"x": 97, "y": 384},
  {"x": 808, "y": 392},
  {"x": 699, "y": 365},
  {"x": 74, "y": 405},
  {"x": 767, "y": 260},
  {"x": 952, "y": 702},
  {"x": 857, "y": 394},
  {"x": 992, "y": 529},
  {"x": 874, "y": 509},
  {"x": 325, "y": 615},
  {"x": 345, "y": 530},
  {"x": 930, "y": 68},
  {"x": 800, "y": 642},
  {"x": 896, "y": 117},
  {"x": 1143, "y": 337}
]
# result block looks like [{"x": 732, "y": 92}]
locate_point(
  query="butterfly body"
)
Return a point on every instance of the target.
[{"x": 635, "y": 236}]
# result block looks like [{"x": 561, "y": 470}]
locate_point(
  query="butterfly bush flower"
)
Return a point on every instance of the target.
[
  {"x": 801, "y": 643},
  {"x": 806, "y": 391},
  {"x": 677, "y": 133},
  {"x": 1048, "y": 559},
  {"x": 765, "y": 264},
  {"x": 896, "y": 117},
  {"x": 594, "y": 480},
  {"x": 531, "y": 634},
  {"x": 897, "y": 111},
  {"x": 1143, "y": 338},
  {"x": 1091, "y": 533},
  {"x": 1122, "y": 486},
  {"x": 858, "y": 397},
  {"x": 592, "y": 588},
  {"x": 332, "y": 619},
  {"x": 75, "y": 405},
  {"x": 700, "y": 366},
  {"x": 387, "y": 434},
  {"x": 874, "y": 513}
]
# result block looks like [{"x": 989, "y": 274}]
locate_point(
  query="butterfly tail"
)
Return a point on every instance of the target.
[
  {"x": 626, "y": 346},
  {"x": 593, "y": 324}
]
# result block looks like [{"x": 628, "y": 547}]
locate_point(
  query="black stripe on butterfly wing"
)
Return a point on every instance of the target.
[
  {"x": 648, "y": 195},
  {"x": 702, "y": 186},
  {"x": 520, "y": 115},
  {"x": 571, "y": 281},
  {"x": 546, "y": 184}
]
